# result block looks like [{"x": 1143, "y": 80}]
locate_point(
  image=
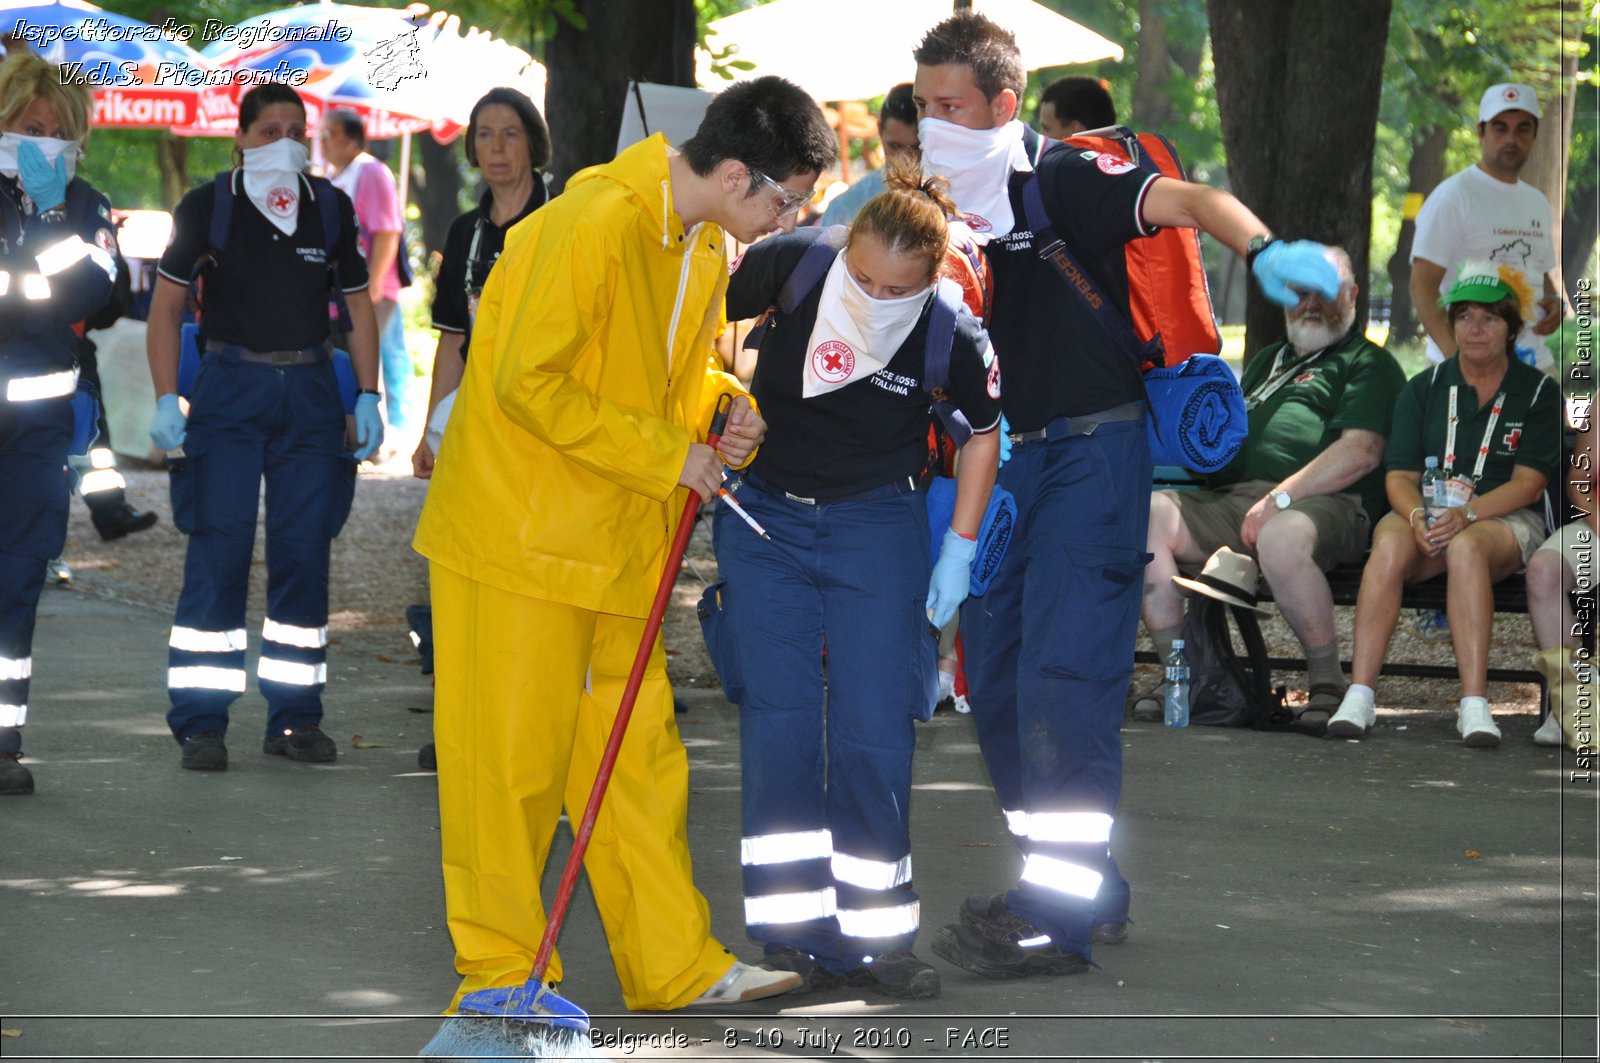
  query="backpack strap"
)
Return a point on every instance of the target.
[
  {"x": 1053, "y": 250},
  {"x": 936, "y": 359},
  {"x": 322, "y": 191},
  {"x": 806, "y": 275}
]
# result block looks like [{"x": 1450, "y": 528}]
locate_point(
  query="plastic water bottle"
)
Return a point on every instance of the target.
[
  {"x": 1175, "y": 694},
  {"x": 1433, "y": 499}
]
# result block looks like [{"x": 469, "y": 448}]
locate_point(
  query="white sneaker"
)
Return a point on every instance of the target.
[
  {"x": 1476, "y": 723},
  {"x": 745, "y": 982},
  {"x": 961, "y": 705},
  {"x": 57, "y": 572},
  {"x": 1355, "y": 717},
  {"x": 1549, "y": 732}
]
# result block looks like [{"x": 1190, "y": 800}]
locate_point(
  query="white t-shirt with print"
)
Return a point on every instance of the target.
[{"x": 1472, "y": 216}]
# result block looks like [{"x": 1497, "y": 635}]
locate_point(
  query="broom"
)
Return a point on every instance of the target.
[{"x": 532, "y": 1021}]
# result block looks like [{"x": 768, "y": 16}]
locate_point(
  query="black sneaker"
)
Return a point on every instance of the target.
[
  {"x": 897, "y": 974},
  {"x": 116, "y": 521},
  {"x": 988, "y": 912},
  {"x": 205, "y": 752},
  {"x": 301, "y": 743},
  {"x": 427, "y": 760},
  {"x": 1035, "y": 953},
  {"x": 14, "y": 778},
  {"x": 814, "y": 977}
]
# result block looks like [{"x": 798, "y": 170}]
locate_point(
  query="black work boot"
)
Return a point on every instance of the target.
[
  {"x": 308, "y": 744},
  {"x": 14, "y": 778},
  {"x": 813, "y": 976},
  {"x": 427, "y": 759},
  {"x": 119, "y": 519},
  {"x": 897, "y": 974},
  {"x": 205, "y": 751},
  {"x": 988, "y": 913},
  {"x": 1024, "y": 952}
]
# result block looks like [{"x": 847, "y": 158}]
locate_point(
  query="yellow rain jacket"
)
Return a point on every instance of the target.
[{"x": 591, "y": 372}]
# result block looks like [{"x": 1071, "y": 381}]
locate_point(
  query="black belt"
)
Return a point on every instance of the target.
[
  {"x": 1082, "y": 425},
  {"x": 903, "y": 486},
  {"x": 303, "y": 356}
]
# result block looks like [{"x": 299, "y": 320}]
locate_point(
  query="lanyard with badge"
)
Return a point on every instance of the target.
[
  {"x": 1459, "y": 489},
  {"x": 468, "y": 274},
  {"x": 1277, "y": 378}
]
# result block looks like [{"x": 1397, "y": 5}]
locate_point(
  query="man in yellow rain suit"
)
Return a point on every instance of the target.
[{"x": 590, "y": 378}]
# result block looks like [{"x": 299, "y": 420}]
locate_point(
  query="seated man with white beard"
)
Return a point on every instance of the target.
[{"x": 1304, "y": 491}]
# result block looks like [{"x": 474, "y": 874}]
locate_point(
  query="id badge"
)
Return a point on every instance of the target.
[{"x": 1458, "y": 490}]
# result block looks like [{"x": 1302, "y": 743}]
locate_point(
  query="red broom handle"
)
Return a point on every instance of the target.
[{"x": 630, "y": 693}]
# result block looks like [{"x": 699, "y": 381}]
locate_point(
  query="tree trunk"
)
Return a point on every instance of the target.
[
  {"x": 1152, "y": 106},
  {"x": 1299, "y": 123},
  {"x": 1425, "y": 172},
  {"x": 589, "y": 71},
  {"x": 172, "y": 160},
  {"x": 435, "y": 188},
  {"x": 1546, "y": 168}
]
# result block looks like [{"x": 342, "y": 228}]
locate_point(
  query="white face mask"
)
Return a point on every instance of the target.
[
  {"x": 855, "y": 335},
  {"x": 272, "y": 181},
  {"x": 979, "y": 164},
  {"x": 51, "y": 147}
]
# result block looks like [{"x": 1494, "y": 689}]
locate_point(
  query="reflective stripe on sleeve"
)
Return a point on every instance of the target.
[
  {"x": 291, "y": 673},
  {"x": 194, "y": 640},
  {"x": 206, "y": 677},
  {"x": 1069, "y": 827},
  {"x": 1061, "y": 875},
  {"x": 872, "y": 874},
  {"x": 15, "y": 668},
  {"x": 760, "y": 849},
  {"x": 35, "y": 287},
  {"x": 879, "y": 922},
  {"x": 13, "y": 715},
  {"x": 307, "y": 638},
  {"x": 44, "y": 386},
  {"x": 789, "y": 907},
  {"x": 64, "y": 254}
]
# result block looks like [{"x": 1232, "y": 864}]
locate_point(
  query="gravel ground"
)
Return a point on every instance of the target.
[{"x": 376, "y": 575}]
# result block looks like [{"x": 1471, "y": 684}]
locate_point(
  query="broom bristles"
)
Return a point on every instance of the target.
[{"x": 480, "y": 1038}]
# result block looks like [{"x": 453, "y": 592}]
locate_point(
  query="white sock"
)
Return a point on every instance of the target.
[
  {"x": 1466, "y": 702},
  {"x": 947, "y": 684},
  {"x": 1362, "y": 691}
]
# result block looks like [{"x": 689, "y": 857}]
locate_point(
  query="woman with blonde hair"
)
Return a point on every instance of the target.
[{"x": 827, "y": 613}]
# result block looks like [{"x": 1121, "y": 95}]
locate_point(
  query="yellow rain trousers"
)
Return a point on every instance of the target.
[{"x": 547, "y": 524}]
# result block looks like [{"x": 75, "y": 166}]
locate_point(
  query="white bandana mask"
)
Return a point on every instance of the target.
[
  {"x": 51, "y": 148},
  {"x": 272, "y": 181},
  {"x": 979, "y": 164},
  {"x": 855, "y": 334}
]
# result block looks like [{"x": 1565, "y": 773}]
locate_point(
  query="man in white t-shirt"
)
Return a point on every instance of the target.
[{"x": 1486, "y": 212}]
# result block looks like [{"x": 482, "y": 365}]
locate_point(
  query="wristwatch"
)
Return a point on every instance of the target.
[
  {"x": 1280, "y": 498},
  {"x": 1257, "y": 245}
]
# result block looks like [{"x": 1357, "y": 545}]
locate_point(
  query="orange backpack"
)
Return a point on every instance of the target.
[{"x": 1167, "y": 290}]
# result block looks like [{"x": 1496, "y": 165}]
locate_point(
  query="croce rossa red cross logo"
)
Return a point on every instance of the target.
[
  {"x": 1511, "y": 438},
  {"x": 833, "y": 360},
  {"x": 282, "y": 201}
]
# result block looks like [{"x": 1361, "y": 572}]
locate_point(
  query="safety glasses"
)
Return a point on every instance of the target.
[{"x": 788, "y": 203}]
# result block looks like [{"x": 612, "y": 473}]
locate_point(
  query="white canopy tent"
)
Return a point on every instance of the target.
[{"x": 859, "y": 48}]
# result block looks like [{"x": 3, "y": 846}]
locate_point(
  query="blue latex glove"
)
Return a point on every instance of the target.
[
  {"x": 1005, "y": 440},
  {"x": 166, "y": 431},
  {"x": 952, "y": 578},
  {"x": 369, "y": 427},
  {"x": 1283, "y": 266},
  {"x": 46, "y": 185}
]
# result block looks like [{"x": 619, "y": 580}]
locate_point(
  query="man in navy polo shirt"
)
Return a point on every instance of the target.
[{"x": 1050, "y": 646}]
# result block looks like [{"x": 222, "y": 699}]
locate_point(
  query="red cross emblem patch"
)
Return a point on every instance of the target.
[
  {"x": 1511, "y": 438},
  {"x": 282, "y": 201},
  {"x": 833, "y": 361}
]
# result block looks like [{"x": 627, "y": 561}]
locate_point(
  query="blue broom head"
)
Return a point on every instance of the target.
[{"x": 491, "y": 1039}]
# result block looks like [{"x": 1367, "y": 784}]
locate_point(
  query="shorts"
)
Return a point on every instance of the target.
[
  {"x": 1213, "y": 517},
  {"x": 1576, "y": 542},
  {"x": 1528, "y": 527}
]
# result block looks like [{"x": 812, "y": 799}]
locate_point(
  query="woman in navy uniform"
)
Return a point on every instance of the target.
[
  {"x": 508, "y": 142},
  {"x": 265, "y": 403},
  {"x": 826, "y": 846},
  {"x": 56, "y": 268}
]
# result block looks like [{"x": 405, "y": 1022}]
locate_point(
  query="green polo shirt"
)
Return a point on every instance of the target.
[
  {"x": 1350, "y": 385},
  {"x": 1528, "y": 432}
]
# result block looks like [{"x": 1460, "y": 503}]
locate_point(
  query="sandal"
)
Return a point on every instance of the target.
[{"x": 1323, "y": 701}]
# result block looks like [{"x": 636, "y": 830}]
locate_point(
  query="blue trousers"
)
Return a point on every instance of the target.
[
  {"x": 396, "y": 365},
  {"x": 250, "y": 422},
  {"x": 34, "y": 437},
  {"x": 1049, "y": 652},
  {"x": 826, "y": 747}
]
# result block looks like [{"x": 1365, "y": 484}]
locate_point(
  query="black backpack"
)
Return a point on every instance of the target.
[{"x": 1227, "y": 689}]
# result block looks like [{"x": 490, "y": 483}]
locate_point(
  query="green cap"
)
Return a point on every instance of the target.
[{"x": 1478, "y": 282}]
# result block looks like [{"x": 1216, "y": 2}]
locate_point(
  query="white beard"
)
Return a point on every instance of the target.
[{"x": 1307, "y": 336}]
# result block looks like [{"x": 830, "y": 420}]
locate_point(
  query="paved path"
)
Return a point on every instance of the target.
[{"x": 1398, "y": 898}]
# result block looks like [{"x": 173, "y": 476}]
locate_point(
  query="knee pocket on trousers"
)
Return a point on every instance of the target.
[
  {"x": 183, "y": 476},
  {"x": 721, "y": 644},
  {"x": 341, "y": 494},
  {"x": 1094, "y": 608}
]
